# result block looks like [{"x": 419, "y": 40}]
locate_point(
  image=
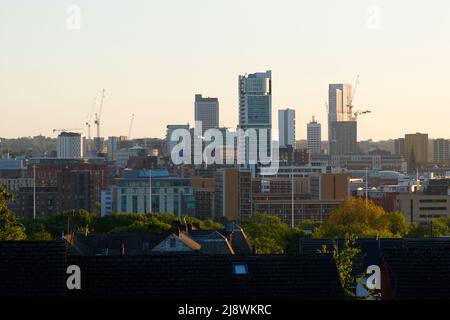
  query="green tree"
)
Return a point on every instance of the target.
[
  {"x": 440, "y": 227},
  {"x": 210, "y": 225},
  {"x": 346, "y": 258},
  {"x": 359, "y": 218},
  {"x": 267, "y": 233},
  {"x": 10, "y": 228}
]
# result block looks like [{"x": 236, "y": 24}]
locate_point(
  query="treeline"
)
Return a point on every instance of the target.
[{"x": 82, "y": 221}]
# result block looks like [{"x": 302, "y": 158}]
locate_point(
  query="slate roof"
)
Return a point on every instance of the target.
[
  {"x": 208, "y": 277},
  {"x": 32, "y": 268},
  {"x": 373, "y": 249},
  {"x": 213, "y": 243},
  {"x": 418, "y": 273},
  {"x": 96, "y": 244}
]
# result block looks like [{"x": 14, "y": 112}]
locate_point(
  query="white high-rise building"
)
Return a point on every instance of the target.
[
  {"x": 255, "y": 110},
  {"x": 286, "y": 127},
  {"x": 69, "y": 145},
  {"x": 207, "y": 112},
  {"x": 314, "y": 137}
]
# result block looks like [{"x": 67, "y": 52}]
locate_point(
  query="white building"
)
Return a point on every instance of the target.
[
  {"x": 69, "y": 145},
  {"x": 207, "y": 112},
  {"x": 314, "y": 137},
  {"x": 286, "y": 127}
]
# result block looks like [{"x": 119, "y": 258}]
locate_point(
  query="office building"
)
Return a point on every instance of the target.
[
  {"x": 441, "y": 151},
  {"x": 255, "y": 108},
  {"x": 169, "y": 194},
  {"x": 416, "y": 150},
  {"x": 286, "y": 127},
  {"x": 314, "y": 137},
  {"x": 69, "y": 145},
  {"x": 233, "y": 194},
  {"x": 399, "y": 146},
  {"x": 421, "y": 209},
  {"x": 207, "y": 112},
  {"x": 112, "y": 147},
  {"x": 344, "y": 138}
]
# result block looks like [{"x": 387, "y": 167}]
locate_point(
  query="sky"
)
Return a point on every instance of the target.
[{"x": 152, "y": 57}]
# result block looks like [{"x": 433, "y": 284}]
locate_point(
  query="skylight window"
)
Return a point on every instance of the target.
[{"x": 240, "y": 269}]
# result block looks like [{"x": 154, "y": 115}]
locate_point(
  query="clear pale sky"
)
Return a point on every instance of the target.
[{"x": 153, "y": 56}]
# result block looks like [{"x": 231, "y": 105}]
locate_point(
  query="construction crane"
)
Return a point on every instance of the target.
[
  {"x": 131, "y": 126},
  {"x": 97, "y": 120},
  {"x": 89, "y": 121},
  {"x": 355, "y": 87},
  {"x": 359, "y": 112}
]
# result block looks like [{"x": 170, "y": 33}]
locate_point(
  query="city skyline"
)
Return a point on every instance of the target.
[{"x": 153, "y": 67}]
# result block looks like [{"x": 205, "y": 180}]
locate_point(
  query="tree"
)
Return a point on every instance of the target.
[
  {"x": 210, "y": 225},
  {"x": 267, "y": 233},
  {"x": 36, "y": 230},
  {"x": 346, "y": 258},
  {"x": 10, "y": 228},
  {"x": 357, "y": 218}
]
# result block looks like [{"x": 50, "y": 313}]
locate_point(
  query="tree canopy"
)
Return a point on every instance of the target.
[
  {"x": 356, "y": 217},
  {"x": 10, "y": 228}
]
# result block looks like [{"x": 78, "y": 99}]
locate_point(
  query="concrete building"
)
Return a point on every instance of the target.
[
  {"x": 421, "y": 209},
  {"x": 170, "y": 194},
  {"x": 329, "y": 186},
  {"x": 339, "y": 100},
  {"x": 233, "y": 194},
  {"x": 441, "y": 151},
  {"x": 399, "y": 146},
  {"x": 255, "y": 107},
  {"x": 69, "y": 145},
  {"x": 207, "y": 112},
  {"x": 416, "y": 150},
  {"x": 286, "y": 127},
  {"x": 344, "y": 140},
  {"x": 314, "y": 137},
  {"x": 112, "y": 148},
  {"x": 204, "y": 197}
]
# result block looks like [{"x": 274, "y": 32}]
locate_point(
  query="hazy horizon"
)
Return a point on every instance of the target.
[{"x": 153, "y": 57}]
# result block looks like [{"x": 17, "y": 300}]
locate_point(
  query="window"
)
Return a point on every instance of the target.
[
  {"x": 240, "y": 269},
  {"x": 172, "y": 242}
]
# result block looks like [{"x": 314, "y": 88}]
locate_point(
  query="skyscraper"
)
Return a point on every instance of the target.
[
  {"x": 286, "y": 127},
  {"x": 314, "y": 137},
  {"x": 339, "y": 108},
  {"x": 255, "y": 106},
  {"x": 416, "y": 150},
  {"x": 441, "y": 151},
  {"x": 344, "y": 140},
  {"x": 207, "y": 112},
  {"x": 399, "y": 146},
  {"x": 69, "y": 145}
]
